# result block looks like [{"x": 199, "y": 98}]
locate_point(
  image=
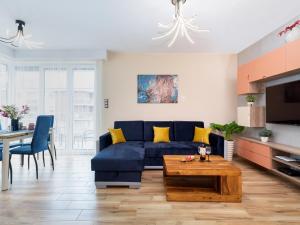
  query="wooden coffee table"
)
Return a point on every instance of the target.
[{"x": 215, "y": 181}]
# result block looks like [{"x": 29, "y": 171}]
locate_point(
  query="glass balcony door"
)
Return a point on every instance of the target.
[
  {"x": 69, "y": 96},
  {"x": 56, "y": 103},
  {"x": 83, "y": 109},
  {"x": 63, "y": 90}
]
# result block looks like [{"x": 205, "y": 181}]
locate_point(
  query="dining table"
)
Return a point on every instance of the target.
[{"x": 7, "y": 137}]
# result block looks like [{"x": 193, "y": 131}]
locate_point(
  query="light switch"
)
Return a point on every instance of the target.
[{"x": 106, "y": 103}]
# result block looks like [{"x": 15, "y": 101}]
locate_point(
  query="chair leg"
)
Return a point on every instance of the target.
[
  {"x": 36, "y": 167},
  {"x": 28, "y": 162},
  {"x": 44, "y": 158},
  {"x": 22, "y": 160},
  {"x": 55, "y": 152},
  {"x": 51, "y": 158},
  {"x": 10, "y": 170}
]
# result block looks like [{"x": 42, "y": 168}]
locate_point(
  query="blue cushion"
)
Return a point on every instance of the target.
[
  {"x": 148, "y": 129},
  {"x": 217, "y": 144},
  {"x": 23, "y": 149},
  {"x": 133, "y": 130},
  {"x": 104, "y": 141},
  {"x": 139, "y": 144},
  {"x": 154, "y": 150},
  {"x": 184, "y": 130},
  {"x": 13, "y": 145},
  {"x": 127, "y": 156}
]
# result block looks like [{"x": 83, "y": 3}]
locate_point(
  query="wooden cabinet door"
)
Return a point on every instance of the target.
[
  {"x": 257, "y": 153},
  {"x": 242, "y": 80},
  {"x": 253, "y": 74},
  {"x": 270, "y": 64},
  {"x": 293, "y": 55},
  {"x": 244, "y": 85}
]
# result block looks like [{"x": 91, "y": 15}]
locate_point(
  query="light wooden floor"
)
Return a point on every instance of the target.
[{"x": 68, "y": 196}]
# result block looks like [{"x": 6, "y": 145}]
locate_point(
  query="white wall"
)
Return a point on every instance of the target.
[{"x": 207, "y": 87}]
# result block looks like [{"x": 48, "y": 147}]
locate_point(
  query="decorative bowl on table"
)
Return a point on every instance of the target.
[{"x": 188, "y": 158}]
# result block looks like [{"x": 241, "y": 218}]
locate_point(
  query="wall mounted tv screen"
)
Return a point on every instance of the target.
[{"x": 283, "y": 103}]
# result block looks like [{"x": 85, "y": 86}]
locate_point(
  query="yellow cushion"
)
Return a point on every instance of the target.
[
  {"x": 117, "y": 136},
  {"x": 202, "y": 135},
  {"x": 161, "y": 134}
]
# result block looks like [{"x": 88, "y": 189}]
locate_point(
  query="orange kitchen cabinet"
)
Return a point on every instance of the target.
[{"x": 293, "y": 55}]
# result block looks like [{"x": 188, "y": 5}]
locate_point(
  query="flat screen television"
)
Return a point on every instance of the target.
[{"x": 283, "y": 103}]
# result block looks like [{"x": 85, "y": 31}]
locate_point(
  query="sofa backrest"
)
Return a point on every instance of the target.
[
  {"x": 133, "y": 130},
  {"x": 148, "y": 129},
  {"x": 143, "y": 130},
  {"x": 184, "y": 130}
]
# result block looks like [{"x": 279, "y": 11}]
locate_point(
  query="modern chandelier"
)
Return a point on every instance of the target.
[
  {"x": 179, "y": 26},
  {"x": 19, "y": 39}
]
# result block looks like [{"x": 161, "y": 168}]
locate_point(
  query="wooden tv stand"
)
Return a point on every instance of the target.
[{"x": 264, "y": 154}]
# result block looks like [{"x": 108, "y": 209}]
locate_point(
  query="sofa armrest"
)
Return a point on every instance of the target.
[
  {"x": 217, "y": 143},
  {"x": 104, "y": 141}
]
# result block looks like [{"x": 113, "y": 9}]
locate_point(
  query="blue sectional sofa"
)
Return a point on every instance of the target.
[{"x": 123, "y": 163}]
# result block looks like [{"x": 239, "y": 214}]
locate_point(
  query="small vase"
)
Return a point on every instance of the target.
[
  {"x": 264, "y": 139},
  {"x": 14, "y": 125},
  {"x": 250, "y": 103},
  {"x": 293, "y": 35}
]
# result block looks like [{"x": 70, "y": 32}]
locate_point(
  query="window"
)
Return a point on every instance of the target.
[
  {"x": 83, "y": 109},
  {"x": 27, "y": 91},
  {"x": 3, "y": 84},
  {"x": 3, "y": 92}
]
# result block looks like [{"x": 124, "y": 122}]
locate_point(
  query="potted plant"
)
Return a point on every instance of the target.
[
  {"x": 250, "y": 99},
  {"x": 265, "y": 134},
  {"x": 292, "y": 32},
  {"x": 228, "y": 130},
  {"x": 14, "y": 114}
]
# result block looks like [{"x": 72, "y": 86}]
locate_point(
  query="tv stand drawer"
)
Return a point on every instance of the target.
[{"x": 257, "y": 153}]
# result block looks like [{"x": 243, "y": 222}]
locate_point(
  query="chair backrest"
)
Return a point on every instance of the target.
[
  {"x": 41, "y": 134},
  {"x": 51, "y": 125}
]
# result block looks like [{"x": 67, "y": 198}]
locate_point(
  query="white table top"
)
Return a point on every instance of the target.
[{"x": 14, "y": 134}]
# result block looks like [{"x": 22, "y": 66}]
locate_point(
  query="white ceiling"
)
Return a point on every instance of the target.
[{"x": 129, "y": 25}]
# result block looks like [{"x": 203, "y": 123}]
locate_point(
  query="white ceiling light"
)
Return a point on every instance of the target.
[
  {"x": 179, "y": 25},
  {"x": 19, "y": 39}
]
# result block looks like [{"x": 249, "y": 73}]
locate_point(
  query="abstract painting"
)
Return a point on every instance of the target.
[{"x": 157, "y": 89}]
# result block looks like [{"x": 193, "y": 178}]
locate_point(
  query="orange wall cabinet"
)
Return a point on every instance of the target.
[
  {"x": 270, "y": 64},
  {"x": 293, "y": 55},
  {"x": 281, "y": 61},
  {"x": 244, "y": 86}
]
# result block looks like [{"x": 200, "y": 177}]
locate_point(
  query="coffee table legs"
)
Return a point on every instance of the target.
[{"x": 193, "y": 189}]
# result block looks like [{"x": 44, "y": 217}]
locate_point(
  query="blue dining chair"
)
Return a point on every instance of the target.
[
  {"x": 52, "y": 124},
  {"x": 10, "y": 167},
  {"x": 39, "y": 141}
]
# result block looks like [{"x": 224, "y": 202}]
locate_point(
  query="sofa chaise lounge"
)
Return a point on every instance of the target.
[{"x": 122, "y": 164}]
